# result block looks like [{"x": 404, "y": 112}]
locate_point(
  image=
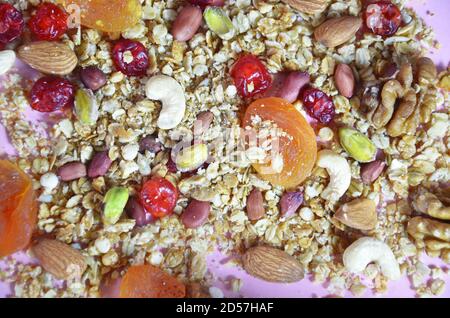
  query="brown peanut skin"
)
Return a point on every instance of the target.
[
  {"x": 371, "y": 171},
  {"x": 344, "y": 80},
  {"x": 93, "y": 78},
  {"x": 255, "y": 205},
  {"x": 99, "y": 165},
  {"x": 187, "y": 23},
  {"x": 287, "y": 85},
  {"x": 196, "y": 214},
  {"x": 72, "y": 171}
]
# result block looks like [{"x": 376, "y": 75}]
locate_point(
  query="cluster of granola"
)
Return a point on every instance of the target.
[{"x": 71, "y": 211}]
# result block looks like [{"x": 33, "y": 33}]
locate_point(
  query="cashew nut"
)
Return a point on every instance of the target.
[
  {"x": 167, "y": 90},
  {"x": 367, "y": 250},
  {"x": 339, "y": 171}
]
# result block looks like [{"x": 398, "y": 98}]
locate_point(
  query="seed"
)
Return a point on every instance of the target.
[
  {"x": 187, "y": 23},
  {"x": 86, "y": 107},
  {"x": 192, "y": 157},
  {"x": 255, "y": 205},
  {"x": 93, "y": 78},
  {"x": 204, "y": 120},
  {"x": 219, "y": 22},
  {"x": 371, "y": 171},
  {"x": 72, "y": 171},
  {"x": 195, "y": 214},
  {"x": 99, "y": 165},
  {"x": 357, "y": 145}
]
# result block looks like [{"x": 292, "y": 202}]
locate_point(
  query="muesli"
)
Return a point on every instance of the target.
[{"x": 306, "y": 135}]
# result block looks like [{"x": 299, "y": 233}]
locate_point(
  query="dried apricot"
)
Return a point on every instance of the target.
[
  {"x": 148, "y": 281},
  {"x": 107, "y": 15},
  {"x": 18, "y": 209},
  {"x": 297, "y": 146}
]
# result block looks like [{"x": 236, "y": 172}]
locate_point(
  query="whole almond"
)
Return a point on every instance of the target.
[
  {"x": 49, "y": 57},
  {"x": 337, "y": 31},
  {"x": 255, "y": 205},
  {"x": 308, "y": 6},
  {"x": 359, "y": 214},
  {"x": 59, "y": 259},
  {"x": 344, "y": 80},
  {"x": 187, "y": 23},
  {"x": 272, "y": 264}
]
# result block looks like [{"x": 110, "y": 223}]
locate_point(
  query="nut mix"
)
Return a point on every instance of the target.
[{"x": 138, "y": 79}]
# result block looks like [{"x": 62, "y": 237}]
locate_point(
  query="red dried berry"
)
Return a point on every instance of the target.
[
  {"x": 11, "y": 23},
  {"x": 52, "y": 93},
  {"x": 49, "y": 22},
  {"x": 382, "y": 17},
  {"x": 131, "y": 58},
  {"x": 318, "y": 105},
  {"x": 159, "y": 197},
  {"x": 250, "y": 76}
]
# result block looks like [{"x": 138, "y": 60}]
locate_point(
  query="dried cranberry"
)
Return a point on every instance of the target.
[
  {"x": 382, "y": 17},
  {"x": 49, "y": 22},
  {"x": 51, "y": 93},
  {"x": 159, "y": 197},
  {"x": 250, "y": 76},
  {"x": 318, "y": 105},
  {"x": 11, "y": 23},
  {"x": 130, "y": 57}
]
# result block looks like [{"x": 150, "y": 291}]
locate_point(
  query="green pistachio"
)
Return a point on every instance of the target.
[
  {"x": 86, "y": 108},
  {"x": 218, "y": 21},
  {"x": 115, "y": 200},
  {"x": 192, "y": 157},
  {"x": 358, "y": 146}
]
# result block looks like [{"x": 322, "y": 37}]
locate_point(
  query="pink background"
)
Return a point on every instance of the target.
[{"x": 435, "y": 12}]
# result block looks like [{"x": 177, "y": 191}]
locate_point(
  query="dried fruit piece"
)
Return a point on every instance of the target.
[
  {"x": 49, "y": 57},
  {"x": 255, "y": 205},
  {"x": 359, "y": 214},
  {"x": 196, "y": 214},
  {"x": 218, "y": 21},
  {"x": 86, "y": 108},
  {"x": 382, "y": 17},
  {"x": 18, "y": 209},
  {"x": 148, "y": 281},
  {"x": 107, "y": 15},
  {"x": 130, "y": 57},
  {"x": 250, "y": 76},
  {"x": 357, "y": 145},
  {"x": 192, "y": 157},
  {"x": 337, "y": 31},
  {"x": 290, "y": 202},
  {"x": 298, "y": 148},
  {"x": 115, "y": 200},
  {"x": 11, "y": 23},
  {"x": 159, "y": 197},
  {"x": 93, "y": 78},
  {"x": 318, "y": 105},
  {"x": 272, "y": 265},
  {"x": 59, "y": 259},
  {"x": 48, "y": 22},
  {"x": 52, "y": 93}
]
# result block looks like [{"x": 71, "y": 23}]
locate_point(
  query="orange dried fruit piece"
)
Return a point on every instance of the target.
[
  {"x": 106, "y": 15},
  {"x": 148, "y": 281},
  {"x": 18, "y": 209},
  {"x": 297, "y": 147}
]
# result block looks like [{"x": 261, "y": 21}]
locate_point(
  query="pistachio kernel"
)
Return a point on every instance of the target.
[
  {"x": 86, "y": 107},
  {"x": 218, "y": 21},
  {"x": 357, "y": 145},
  {"x": 192, "y": 157},
  {"x": 115, "y": 200}
]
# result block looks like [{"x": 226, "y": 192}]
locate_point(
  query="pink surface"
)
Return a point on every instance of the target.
[{"x": 435, "y": 13}]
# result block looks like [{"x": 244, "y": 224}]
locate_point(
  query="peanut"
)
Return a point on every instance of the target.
[{"x": 187, "y": 23}]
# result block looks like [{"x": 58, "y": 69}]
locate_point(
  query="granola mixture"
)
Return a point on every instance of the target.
[{"x": 417, "y": 161}]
